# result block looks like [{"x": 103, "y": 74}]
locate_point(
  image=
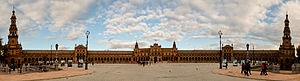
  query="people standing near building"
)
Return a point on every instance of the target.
[
  {"x": 242, "y": 68},
  {"x": 226, "y": 64},
  {"x": 248, "y": 67},
  {"x": 263, "y": 69},
  {"x": 266, "y": 69}
]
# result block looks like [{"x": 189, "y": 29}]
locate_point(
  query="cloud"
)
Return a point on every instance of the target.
[
  {"x": 49, "y": 38},
  {"x": 177, "y": 19},
  {"x": 156, "y": 35},
  {"x": 240, "y": 44},
  {"x": 199, "y": 37},
  {"x": 186, "y": 17},
  {"x": 166, "y": 20},
  {"x": 55, "y": 16},
  {"x": 76, "y": 31},
  {"x": 5, "y": 10},
  {"x": 62, "y": 47},
  {"x": 35, "y": 10},
  {"x": 118, "y": 44},
  {"x": 63, "y": 12}
]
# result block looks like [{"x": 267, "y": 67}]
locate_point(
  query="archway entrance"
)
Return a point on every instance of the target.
[
  {"x": 12, "y": 60},
  {"x": 155, "y": 59}
]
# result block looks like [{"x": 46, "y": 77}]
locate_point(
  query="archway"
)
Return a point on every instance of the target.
[
  {"x": 155, "y": 59},
  {"x": 12, "y": 60}
]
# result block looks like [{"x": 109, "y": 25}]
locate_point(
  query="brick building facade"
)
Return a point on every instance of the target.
[{"x": 13, "y": 53}]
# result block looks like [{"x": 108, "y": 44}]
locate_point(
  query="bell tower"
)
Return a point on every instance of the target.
[
  {"x": 13, "y": 35},
  {"x": 14, "y": 49},
  {"x": 286, "y": 49}
]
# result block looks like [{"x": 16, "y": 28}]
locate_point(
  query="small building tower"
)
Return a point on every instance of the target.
[
  {"x": 13, "y": 48},
  {"x": 286, "y": 50}
]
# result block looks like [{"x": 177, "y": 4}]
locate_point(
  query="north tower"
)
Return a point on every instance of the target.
[
  {"x": 13, "y": 48},
  {"x": 286, "y": 49}
]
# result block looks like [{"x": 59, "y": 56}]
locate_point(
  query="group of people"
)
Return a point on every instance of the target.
[
  {"x": 246, "y": 69},
  {"x": 263, "y": 69},
  {"x": 12, "y": 67},
  {"x": 142, "y": 63}
]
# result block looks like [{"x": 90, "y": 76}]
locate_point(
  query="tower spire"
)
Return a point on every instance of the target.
[
  {"x": 286, "y": 33},
  {"x": 13, "y": 27},
  {"x": 13, "y": 30},
  {"x": 174, "y": 44},
  {"x": 286, "y": 30},
  {"x": 286, "y": 17},
  {"x": 13, "y": 10},
  {"x": 136, "y": 45}
]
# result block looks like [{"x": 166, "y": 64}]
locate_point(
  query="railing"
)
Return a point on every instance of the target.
[{"x": 26, "y": 69}]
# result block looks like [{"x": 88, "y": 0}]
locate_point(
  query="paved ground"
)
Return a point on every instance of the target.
[
  {"x": 65, "y": 72},
  {"x": 236, "y": 72},
  {"x": 154, "y": 72}
]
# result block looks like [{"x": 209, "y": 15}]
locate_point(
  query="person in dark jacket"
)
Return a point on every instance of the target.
[
  {"x": 263, "y": 69},
  {"x": 226, "y": 64},
  {"x": 248, "y": 67},
  {"x": 242, "y": 68}
]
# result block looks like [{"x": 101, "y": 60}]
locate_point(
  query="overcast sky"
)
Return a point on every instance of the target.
[{"x": 118, "y": 24}]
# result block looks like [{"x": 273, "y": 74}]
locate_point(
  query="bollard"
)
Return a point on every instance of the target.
[
  {"x": 20, "y": 70},
  {"x": 277, "y": 68},
  {"x": 297, "y": 68},
  {"x": 274, "y": 68},
  {"x": 293, "y": 68}
]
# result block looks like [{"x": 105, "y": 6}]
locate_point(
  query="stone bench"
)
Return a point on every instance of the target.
[
  {"x": 296, "y": 68},
  {"x": 276, "y": 68}
]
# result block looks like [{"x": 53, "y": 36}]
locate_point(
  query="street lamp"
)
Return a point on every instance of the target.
[
  {"x": 297, "y": 52},
  {"x": 247, "y": 45},
  {"x": 56, "y": 56},
  {"x": 51, "y": 60},
  {"x": 220, "y": 34},
  {"x": 253, "y": 54},
  {"x": 86, "y": 56}
]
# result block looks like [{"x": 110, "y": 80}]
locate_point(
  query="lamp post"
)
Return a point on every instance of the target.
[
  {"x": 56, "y": 56},
  {"x": 297, "y": 51},
  {"x": 253, "y": 54},
  {"x": 220, "y": 34},
  {"x": 247, "y": 57},
  {"x": 86, "y": 58},
  {"x": 51, "y": 56}
]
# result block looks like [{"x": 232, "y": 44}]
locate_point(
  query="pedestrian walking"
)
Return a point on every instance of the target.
[
  {"x": 263, "y": 69},
  {"x": 242, "y": 68},
  {"x": 226, "y": 64},
  {"x": 248, "y": 68}
]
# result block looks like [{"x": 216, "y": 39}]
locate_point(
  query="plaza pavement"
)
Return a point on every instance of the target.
[
  {"x": 154, "y": 72},
  {"x": 64, "y": 73},
  {"x": 236, "y": 72}
]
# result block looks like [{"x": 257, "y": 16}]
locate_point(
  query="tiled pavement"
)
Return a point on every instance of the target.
[
  {"x": 236, "y": 72},
  {"x": 155, "y": 72},
  {"x": 65, "y": 72}
]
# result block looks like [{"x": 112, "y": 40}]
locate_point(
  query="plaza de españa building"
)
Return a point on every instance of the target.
[{"x": 12, "y": 52}]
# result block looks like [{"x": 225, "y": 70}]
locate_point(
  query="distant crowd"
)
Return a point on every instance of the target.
[{"x": 246, "y": 69}]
